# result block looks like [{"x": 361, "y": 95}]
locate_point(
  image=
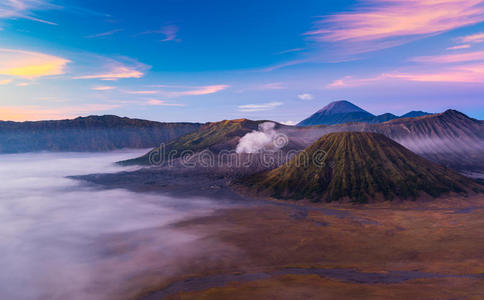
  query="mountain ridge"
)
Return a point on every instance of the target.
[
  {"x": 91, "y": 133},
  {"x": 343, "y": 111}
]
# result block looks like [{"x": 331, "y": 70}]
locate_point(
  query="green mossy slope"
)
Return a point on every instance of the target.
[{"x": 358, "y": 166}]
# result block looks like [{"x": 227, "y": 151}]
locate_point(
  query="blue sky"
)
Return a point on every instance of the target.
[{"x": 213, "y": 60}]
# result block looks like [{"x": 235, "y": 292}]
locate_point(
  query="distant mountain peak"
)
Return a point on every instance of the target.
[
  {"x": 341, "y": 106},
  {"x": 338, "y": 112}
]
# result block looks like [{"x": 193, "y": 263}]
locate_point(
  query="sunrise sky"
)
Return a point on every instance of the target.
[{"x": 180, "y": 60}]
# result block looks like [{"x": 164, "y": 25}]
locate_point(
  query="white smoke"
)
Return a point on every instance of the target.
[{"x": 266, "y": 138}]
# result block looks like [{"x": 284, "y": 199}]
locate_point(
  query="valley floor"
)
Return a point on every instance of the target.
[{"x": 283, "y": 250}]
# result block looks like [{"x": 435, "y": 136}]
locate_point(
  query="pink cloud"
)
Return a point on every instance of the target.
[
  {"x": 350, "y": 81},
  {"x": 103, "y": 88},
  {"x": 469, "y": 73},
  {"x": 142, "y": 92},
  {"x": 458, "y": 47},
  {"x": 381, "y": 24},
  {"x": 272, "y": 86},
  {"x": 474, "y": 38},
  {"x": 203, "y": 90},
  {"x": 115, "y": 71},
  {"x": 452, "y": 58},
  {"x": 24, "y": 8},
  {"x": 162, "y": 103}
]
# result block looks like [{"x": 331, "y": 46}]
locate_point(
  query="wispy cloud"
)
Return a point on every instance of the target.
[
  {"x": 350, "y": 81},
  {"x": 169, "y": 31},
  {"x": 24, "y": 8},
  {"x": 259, "y": 107},
  {"x": 459, "y": 47},
  {"x": 285, "y": 65},
  {"x": 5, "y": 81},
  {"x": 30, "y": 65},
  {"x": 198, "y": 91},
  {"x": 34, "y": 113},
  {"x": 378, "y": 24},
  {"x": 141, "y": 92},
  {"x": 473, "y": 73},
  {"x": 114, "y": 70},
  {"x": 103, "y": 34},
  {"x": 452, "y": 58},
  {"x": 305, "y": 96},
  {"x": 272, "y": 86},
  {"x": 264, "y": 87},
  {"x": 473, "y": 38},
  {"x": 291, "y": 50},
  {"x": 157, "y": 102},
  {"x": 464, "y": 73},
  {"x": 467, "y": 67},
  {"x": 103, "y": 88}
]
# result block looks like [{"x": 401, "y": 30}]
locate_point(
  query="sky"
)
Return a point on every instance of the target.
[{"x": 200, "y": 61}]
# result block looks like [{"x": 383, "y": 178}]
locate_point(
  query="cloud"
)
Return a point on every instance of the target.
[
  {"x": 458, "y": 47},
  {"x": 24, "y": 8},
  {"x": 305, "y": 96},
  {"x": 259, "y": 107},
  {"x": 467, "y": 73},
  {"x": 141, "y": 92},
  {"x": 452, "y": 58},
  {"x": 473, "y": 73},
  {"x": 379, "y": 24},
  {"x": 103, "y": 88},
  {"x": 289, "y": 123},
  {"x": 115, "y": 70},
  {"x": 185, "y": 90},
  {"x": 349, "y": 81},
  {"x": 35, "y": 113},
  {"x": 30, "y": 65},
  {"x": 169, "y": 31},
  {"x": 162, "y": 103},
  {"x": 285, "y": 65},
  {"x": 264, "y": 87},
  {"x": 272, "y": 86},
  {"x": 198, "y": 91},
  {"x": 23, "y": 84},
  {"x": 292, "y": 50},
  {"x": 102, "y": 34},
  {"x": 474, "y": 38},
  {"x": 5, "y": 81},
  {"x": 453, "y": 68}
]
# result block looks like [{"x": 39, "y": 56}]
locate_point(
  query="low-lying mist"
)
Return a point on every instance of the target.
[{"x": 61, "y": 239}]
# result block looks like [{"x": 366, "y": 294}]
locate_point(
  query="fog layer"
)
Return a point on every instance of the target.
[{"x": 60, "y": 239}]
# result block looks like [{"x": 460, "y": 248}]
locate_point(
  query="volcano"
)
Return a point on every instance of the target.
[
  {"x": 337, "y": 112},
  {"x": 358, "y": 166}
]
